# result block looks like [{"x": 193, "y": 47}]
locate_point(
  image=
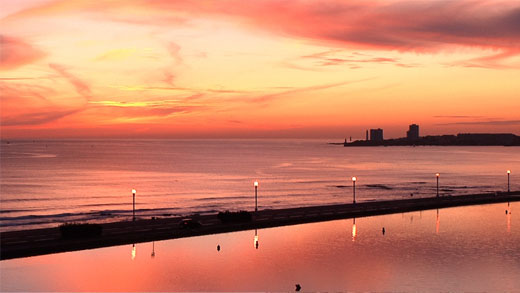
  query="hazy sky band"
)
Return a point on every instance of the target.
[{"x": 258, "y": 68}]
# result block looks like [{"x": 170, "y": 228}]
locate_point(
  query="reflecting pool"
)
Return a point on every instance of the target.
[{"x": 473, "y": 248}]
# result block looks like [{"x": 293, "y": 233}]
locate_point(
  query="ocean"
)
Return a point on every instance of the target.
[{"x": 48, "y": 182}]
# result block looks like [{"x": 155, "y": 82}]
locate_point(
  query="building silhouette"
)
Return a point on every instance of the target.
[
  {"x": 376, "y": 135},
  {"x": 413, "y": 132}
]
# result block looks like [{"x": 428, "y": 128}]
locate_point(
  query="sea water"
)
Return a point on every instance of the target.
[{"x": 47, "y": 182}]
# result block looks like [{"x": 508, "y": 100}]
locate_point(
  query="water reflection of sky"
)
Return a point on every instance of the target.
[{"x": 457, "y": 249}]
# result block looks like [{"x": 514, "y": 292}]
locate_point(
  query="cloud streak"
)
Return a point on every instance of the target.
[
  {"x": 81, "y": 87},
  {"x": 489, "y": 123},
  {"x": 37, "y": 118},
  {"x": 269, "y": 97}
]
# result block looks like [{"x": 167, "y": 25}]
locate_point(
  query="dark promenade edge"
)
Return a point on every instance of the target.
[{"x": 25, "y": 243}]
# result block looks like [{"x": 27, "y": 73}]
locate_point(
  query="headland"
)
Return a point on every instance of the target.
[{"x": 16, "y": 244}]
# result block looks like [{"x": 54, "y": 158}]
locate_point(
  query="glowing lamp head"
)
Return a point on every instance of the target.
[
  {"x": 256, "y": 183},
  {"x": 508, "y": 171},
  {"x": 354, "y": 179},
  {"x": 133, "y": 191},
  {"x": 437, "y": 175}
]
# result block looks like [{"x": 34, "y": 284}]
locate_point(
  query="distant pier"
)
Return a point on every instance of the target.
[{"x": 15, "y": 244}]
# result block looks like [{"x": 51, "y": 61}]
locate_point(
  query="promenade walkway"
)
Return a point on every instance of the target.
[{"x": 15, "y": 244}]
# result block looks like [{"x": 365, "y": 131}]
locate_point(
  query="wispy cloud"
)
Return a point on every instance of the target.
[
  {"x": 269, "y": 97},
  {"x": 353, "y": 60},
  {"x": 459, "y": 116},
  {"x": 81, "y": 87},
  {"x": 37, "y": 118}
]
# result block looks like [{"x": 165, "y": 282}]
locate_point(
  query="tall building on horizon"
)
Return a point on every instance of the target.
[
  {"x": 376, "y": 134},
  {"x": 413, "y": 132}
]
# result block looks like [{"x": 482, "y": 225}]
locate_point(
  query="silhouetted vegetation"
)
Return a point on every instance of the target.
[
  {"x": 234, "y": 217},
  {"x": 77, "y": 230}
]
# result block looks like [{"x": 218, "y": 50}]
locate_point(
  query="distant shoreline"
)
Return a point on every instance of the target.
[
  {"x": 25, "y": 243},
  {"x": 461, "y": 139}
]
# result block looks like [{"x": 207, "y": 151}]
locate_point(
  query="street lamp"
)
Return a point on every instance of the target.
[
  {"x": 354, "y": 188},
  {"x": 437, "y": 175},
  {"x": 508, "y": 173},
  {"x": 256, "y": 196},
  {"x": 133, "y": 212}
]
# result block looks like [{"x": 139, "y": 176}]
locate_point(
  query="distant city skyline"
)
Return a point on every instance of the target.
[{"x": 268, "y": 69}]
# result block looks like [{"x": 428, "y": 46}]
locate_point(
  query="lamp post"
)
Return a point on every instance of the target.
[
  {"x": 354, "y": 188},
  {"x": 256, "y": 196},
  {"x": 133, "y": 210},
  {"x": 437, "y": 176},
  {"x": 508, "y": 173}
]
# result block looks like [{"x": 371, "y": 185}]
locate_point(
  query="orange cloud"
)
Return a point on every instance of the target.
[{"x": 16, "y": 52}]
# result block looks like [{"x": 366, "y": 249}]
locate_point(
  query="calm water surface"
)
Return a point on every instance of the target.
[
  {"x": 44, "y": 183},
  {"x": 457, "y": 249}
]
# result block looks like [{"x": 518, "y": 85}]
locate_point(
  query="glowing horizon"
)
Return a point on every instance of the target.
[{"x": 194, "y": 69}]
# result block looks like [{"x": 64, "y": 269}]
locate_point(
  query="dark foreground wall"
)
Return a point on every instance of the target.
[{"x": 26, "y": 243}]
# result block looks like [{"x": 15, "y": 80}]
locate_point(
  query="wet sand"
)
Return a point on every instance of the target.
[{"x": 16, "y": 244}]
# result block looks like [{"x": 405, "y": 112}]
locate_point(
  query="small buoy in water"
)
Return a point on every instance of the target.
[
  {"x": 218, "y": 247},
  {"x": 383, "y": 230},
  {"x": 298, "y": 287}
]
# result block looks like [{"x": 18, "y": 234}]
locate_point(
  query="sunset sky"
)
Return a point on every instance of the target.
[{"x": 234, "y": 68}]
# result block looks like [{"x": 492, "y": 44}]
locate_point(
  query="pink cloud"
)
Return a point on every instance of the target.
[
  {"x": 16, "y": 52},
  {"x": 419, "y": 26},
  {"x": 423, "y": 26}
]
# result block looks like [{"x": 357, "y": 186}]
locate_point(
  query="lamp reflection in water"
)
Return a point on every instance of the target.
[
  {"x": 255, "y": 243},
  {"x": 354, "y": 231},
  {"x": 153, "y": 249},
  {"x": 508, "y": 216},
  {"x": 437, "y": 223},
  {"x": 133, "y": 251}
]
